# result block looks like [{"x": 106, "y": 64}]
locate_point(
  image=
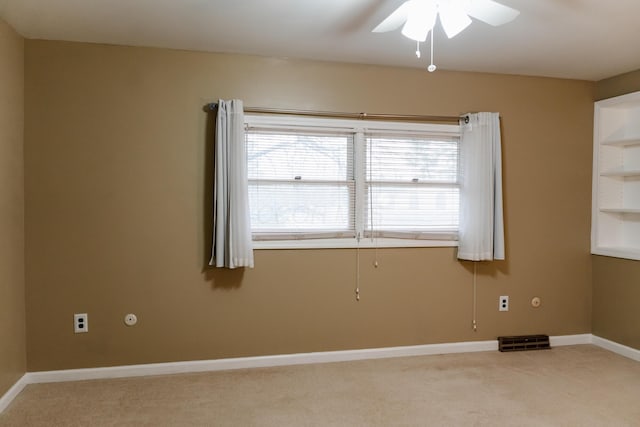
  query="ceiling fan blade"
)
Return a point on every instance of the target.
[
  {"x": 453, "y": 18},
  {"x": 421, "y": 19},
  {"x": 491, "y": 12},
  {"x": 395, "y": 20}
]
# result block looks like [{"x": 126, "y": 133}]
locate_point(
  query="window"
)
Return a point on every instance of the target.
[
  {"x": 341, "y": 183},
  {"x": 411, "y": 186},
  {"x": 301, "y": 184}
]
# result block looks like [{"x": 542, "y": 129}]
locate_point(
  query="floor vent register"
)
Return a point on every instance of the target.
[{"x": 524, "y": 342}]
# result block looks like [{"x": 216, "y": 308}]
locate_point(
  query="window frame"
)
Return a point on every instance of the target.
[{"x": 358, "y": 128}]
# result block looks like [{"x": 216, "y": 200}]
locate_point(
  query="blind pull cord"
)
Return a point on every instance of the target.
[
  {"x": 358, "y": 267},
  {"x": 374, "y": 236},
  {"x": 475, "y": 292}
]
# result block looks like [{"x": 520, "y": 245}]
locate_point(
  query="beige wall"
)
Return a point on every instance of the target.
[
  {"x": 616, "y": 282},
  {"x": 12, "y": 294},
  {"x": 118, "y": 206},
  {"x": 616, "y": 300},
  {"x": 618, "y": 85}
]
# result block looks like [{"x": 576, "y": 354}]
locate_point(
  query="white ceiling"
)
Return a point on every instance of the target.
[{"x": 580, "y": 39}]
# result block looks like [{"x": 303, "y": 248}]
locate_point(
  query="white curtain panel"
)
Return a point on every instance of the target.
[
  {"x": 232, "y": 245},
  {"x": 481, "y": 230}
]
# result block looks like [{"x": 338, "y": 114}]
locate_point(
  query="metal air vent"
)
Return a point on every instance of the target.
[{"x": 524, "y": 342}]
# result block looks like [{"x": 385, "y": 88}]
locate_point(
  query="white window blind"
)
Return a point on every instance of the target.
[
  {"x": 301, "y": 184},
  {"x": 325, "y": 179},
  {"x": 411, "y": 186}
]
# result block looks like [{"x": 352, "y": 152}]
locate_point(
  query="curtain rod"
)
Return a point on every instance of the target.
[{"x": 362, "y": 116}]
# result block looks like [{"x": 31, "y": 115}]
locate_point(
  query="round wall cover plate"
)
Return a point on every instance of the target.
[{"x": 130, "y": 319}]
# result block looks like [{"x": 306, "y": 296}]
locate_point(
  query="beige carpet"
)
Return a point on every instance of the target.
[{"x": 565, "y": 386}]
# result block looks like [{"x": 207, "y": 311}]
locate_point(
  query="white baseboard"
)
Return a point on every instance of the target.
[
  {"x": 11, "y": 394},
  {"x": 289, "y": 359},
  {"x": 258, "y": 362},
  {"x": 563, "y": 340},
  {"x": 281, "y": 360},
  {"x": 620, "y": 349}
]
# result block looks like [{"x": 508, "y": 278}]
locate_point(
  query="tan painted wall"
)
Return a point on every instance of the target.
[
  {"x": 12, "y": 294},
  {"x": 118, "y": 206},
  {"x": 616, "y": 282},
  {"x": 616, "y": 300},
  {"x": 618, "y": 85}
]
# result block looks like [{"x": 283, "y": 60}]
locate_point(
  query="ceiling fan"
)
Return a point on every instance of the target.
[{"x": 419, "y": 18}]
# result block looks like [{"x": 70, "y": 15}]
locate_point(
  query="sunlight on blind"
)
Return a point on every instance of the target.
[{"x": 301, "y": 183}]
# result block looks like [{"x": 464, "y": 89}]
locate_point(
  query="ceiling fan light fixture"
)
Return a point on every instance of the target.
[{"x": 421, "y": 18}]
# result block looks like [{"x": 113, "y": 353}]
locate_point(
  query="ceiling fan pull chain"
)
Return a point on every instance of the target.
[
  {"x": 431, "y": 68},
  {"x": 418, "y": 48}
]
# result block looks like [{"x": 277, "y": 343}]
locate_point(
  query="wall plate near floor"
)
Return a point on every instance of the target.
[
  {"x": 503, "y": 303},
  {"x": 80, "y": 323}
]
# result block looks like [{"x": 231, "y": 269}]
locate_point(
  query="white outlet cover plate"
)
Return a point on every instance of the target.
[
  {"x": 80, "y": 323},
  {"x": 503, "y": 303}
]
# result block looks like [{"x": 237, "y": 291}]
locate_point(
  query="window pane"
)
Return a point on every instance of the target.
[
  {"x": 300, "y": 182},
  {"x": 411, "y": 184},
  {"x": 412, "y": 158},
  {"x": 412, "y": 208},
  {"x": 305, "y": 156},
  {"x": 301, "y": 207}
]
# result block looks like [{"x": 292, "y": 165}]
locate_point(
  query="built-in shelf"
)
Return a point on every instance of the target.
[
  {"x": 618, "y": 252},
  {"x": 621, "y": 173},
  {"x": 622, "y": 142},
  {"x": 620, "y": 211},
  {"x": 615, "y": 230}
]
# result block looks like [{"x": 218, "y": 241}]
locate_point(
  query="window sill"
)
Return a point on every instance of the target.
[{"x": 351, "y": 244}]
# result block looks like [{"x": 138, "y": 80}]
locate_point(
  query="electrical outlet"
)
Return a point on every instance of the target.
[
  {"x": 503, "y": 303},
  {"x": 80, "y": 323}
]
